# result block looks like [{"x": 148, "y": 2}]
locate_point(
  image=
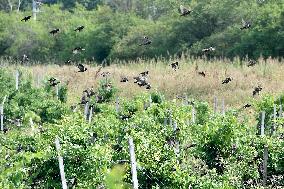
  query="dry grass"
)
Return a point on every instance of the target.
[{"x": 268, "y": 74}]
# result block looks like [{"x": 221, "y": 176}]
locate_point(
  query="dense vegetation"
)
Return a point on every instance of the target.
[
  {"x": 114, "y": 29},
  {"x": 216, "y": 151}
]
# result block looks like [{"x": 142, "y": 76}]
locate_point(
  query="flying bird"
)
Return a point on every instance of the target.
[
  {"x": 227, "y": 80},
  {"x": 174, "y": 65},
  {"x": 26, "y": 18},
  {"x": 251, "y": 63},
  {"x": 245, "y": 25},
  {"x": 256, "y": 90},
  {"x": 144, "y": 74},
  {"x": 81, "y": 67},
  {"x": 202, "y": 74},
  {"x": 145, "y": 41},
  {"x": 53, "y": 82},
  {"x": 123, "y": 79},
  {"x": 80, "y": 28},
  {"x": 184, "y": 11},
  {"x": 77, "y": 50},
  {"x": 55, "y": 31},
  {"x": 210, "y": 49},
  {"x": 247, "y": 106}
]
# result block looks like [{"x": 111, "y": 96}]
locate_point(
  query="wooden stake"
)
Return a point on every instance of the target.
[
  {"x": 61, "y": 165},
  {"x": 265, "y": 159},
  {"x": 262, "y": 124},
  {"x": 2, "y": 117},
  {"x": 193, "y": 115},
  {"x": 133, "y": 164},
  {"x": 57, "y": 92},
  {"x": 86, "y": 110},
  {"x": 91, "y": 114},
  {"x": 17, "y": 79}
]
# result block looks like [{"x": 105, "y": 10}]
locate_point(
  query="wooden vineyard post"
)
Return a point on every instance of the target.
[
  {"x": 223, "y": 107},
  {"x": 133, "y": 163},
  {"x": 61, "y": 165},
  {"x": 117, "y": 107},
  {"x": 17, "y": 79},
  {"x": 215, "y": 104},
  {"x": 274, "y": 120},
  {"x": 2, "y": 116},
  {"x": 86, "y": 110},
  {"x": 91, "y": 114},
  {"x": 265, "y": 159},
  {"x": 193, "y": 115},
  {"x": 57, "y": 92},
  {"x": 262, "y": 123}
]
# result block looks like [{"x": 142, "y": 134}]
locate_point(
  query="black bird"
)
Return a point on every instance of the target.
[
  {"x": 210, "y": 49},
  {"x": 174, "y": 65},
  {"x": 53, "y": 82},
  {"x": 247, "y": 106},
  {"x": 25, "y": 58},
  {"x": 245, "y": 24},
  {"x": 251, "y": 63},
  {"x": 184, "y": 11},
  {"x": 80, "y": 28},
  {"x": 123, "y": 79},
  {"x": 256, "y": 90},
  {"x": 202, "y": 74},
  {"x": 81, "y": 67},
  {"x": 55, "y": 31},
  {"x": 77, "y": 50},
  {"x": 227, "y": 80},
  {"x": 145, "y": 41},
  {"x": 26, "y": 18},
  {"x": 144, "y": 74},
  {"x": 148, "y": 86}
]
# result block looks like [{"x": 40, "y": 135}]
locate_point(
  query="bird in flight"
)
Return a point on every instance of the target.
[
  {"x": 202, "y": 74},
  {"x": 251, "y": 63},
  {"x": 245, "y": 25},
  {"x": 26, "y": 18},
  {"x": 77, "y": 50},
  {"x": 247, "y": 106},
  {"x": 184, "y": 11},
  {"x": 174, "y": 66},
  {"x": 53, "y": 82},
  {"x": 227, "y": 80},
  {"x": 55, "y": 31},
  {"x": 79, "y": 28},
  {"x": 210, "y": 49},
  {"x": 145, "y": 41},
  {"x": 81, "y": 67}
]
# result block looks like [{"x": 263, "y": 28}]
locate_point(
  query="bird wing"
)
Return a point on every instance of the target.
[
  {"x": 183, "y": 9},
  {"x": 81, "y": 66}
]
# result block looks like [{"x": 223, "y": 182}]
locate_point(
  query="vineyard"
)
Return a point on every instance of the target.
[{"x": 182, "y": 143}]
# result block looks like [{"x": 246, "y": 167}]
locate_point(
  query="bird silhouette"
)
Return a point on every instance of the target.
[
  {"x": 202, "y": 74},
  {"x": 145, "y": 41},
  {"x": 174, "y": 66},
  {"x": 184, "y": 11},
  {"x": 144, "y": 74},
  {"x": 81, "y": 67},
  {"x": 25, "y": 58},
  {"x": 210, "y": 49},
  {"x": 77, "y": 50},
  {"x": 79, "y": 28},
  {"x": 251, "y": 63},
  {"x": 55, "y": 31},
  {"x": 26, "y": 18},
  {"x": 123, "y": 79},
  {"x": 247, "y": 106},
  {"x": 256, "y": 90},
  {"x": 245, "y": 25},
  {"x": 227, "y": 80},
  {"x": 53, "y": 82}
]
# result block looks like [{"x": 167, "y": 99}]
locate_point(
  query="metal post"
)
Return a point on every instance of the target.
[
  {"x": 17, "y": 79},
  {"x": 2, "y": 117},
  {"x": 262, "y": 124},
  {"x": 265, "y": 159},
  {"x": 193, "y": 115},
  {"x": 86, "y": 110},
  {"x": 133, "y": 163},
  {"x": 91, "y": 114},
  {"x": 61, "y": 165},
  {"x": 215, "y": 104}
]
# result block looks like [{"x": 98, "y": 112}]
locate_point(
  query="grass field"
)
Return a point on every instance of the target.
[{"x": 186, "y": 80}]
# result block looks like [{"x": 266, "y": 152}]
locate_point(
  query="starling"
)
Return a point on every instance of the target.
[
  {"x": 210, "y": 49},
  {"x": 77, "y": 50},
  {"x": 81, "y": 67},
  {"x": 245, "y": 24},
  {"x": 145, "y": 41},
  {"x": 174, "y": 65},
  {"x": 25, "y": 58},
  {"x": 256, "y": 90},
  {"x": 227, "y": 80},
  {"x": 53, "y": 82},
  {"x": 80, "y": 28},
  {"x": 124, "y": 79},
  {"x": 247, "y": 106},
  {"x": 202, "y": 74},
  {"x": 184, "y": 11},
  {"x": 251, "y": 63},
  {"x": 26, "y": 18},
  {"x": 53, "y": 32}
]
